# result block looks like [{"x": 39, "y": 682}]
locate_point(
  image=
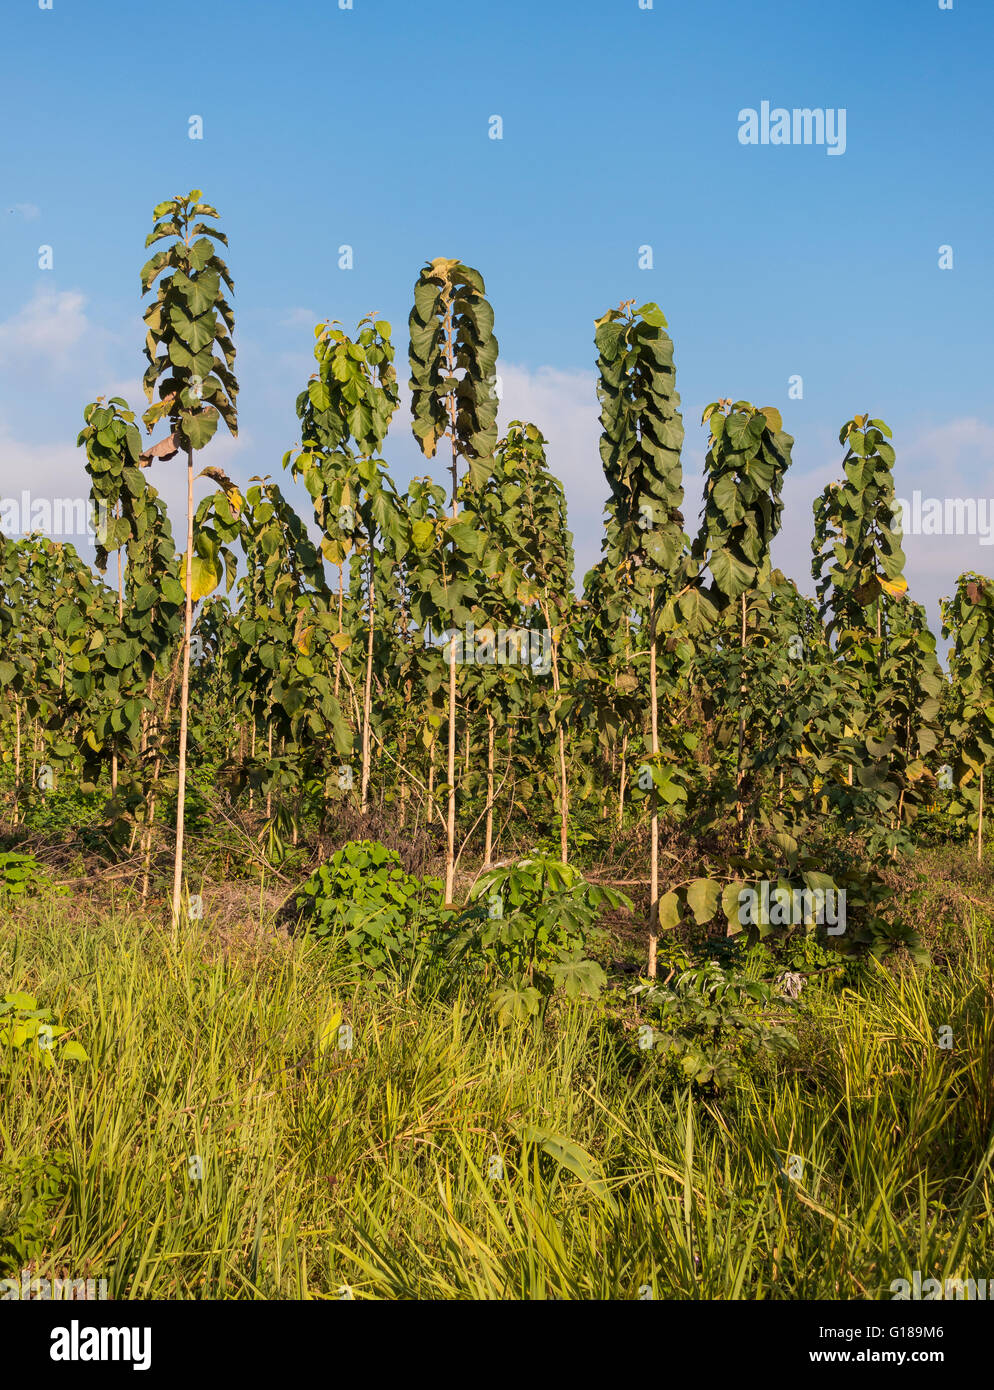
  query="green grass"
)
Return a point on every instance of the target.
[{"x": 371, "y": 1168}]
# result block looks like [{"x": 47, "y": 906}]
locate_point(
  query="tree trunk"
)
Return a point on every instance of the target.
[
  {"x": 431, "y": 783},
  {"x": 17, "y": 758},
  {"x": 450, "y": 829},
  {"x": 621, "y": 780},
  {"x": 251, "y": 759},
  {"x": 739, "y": 808},
  {"x": 488, "y": 844},
  {"x": 980, "y": 822},
  {"x": 367, "y": 697},
  {"x": 402, "y": 750},
  {"x": 654, "y": 850},
  {"x": 150, "y": 818},
  {"x": 184, "y": 698},
  {"x": 341, "y": 602},
  {"x": 120, "y": 619},
  {"x": 450, "y": 854}
]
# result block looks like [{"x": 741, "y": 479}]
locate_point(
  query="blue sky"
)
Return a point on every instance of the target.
[{"x": 370, "y": 127}]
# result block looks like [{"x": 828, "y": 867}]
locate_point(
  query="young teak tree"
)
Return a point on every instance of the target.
[
  {"x": 190, "y": 354},
  {"x": 968, "y": 618},
  {"x": 640, "y": 450},
  {"x": 858, "y": 560},
  {"x": 453, "y": 357},
  {"x": 352, "y": 398},
  {"x": 857, "y": 543},
  {"x": 113, "y": 460},
  {"x": 746, "y": 462},
  {"x": 522, "y": 510}
]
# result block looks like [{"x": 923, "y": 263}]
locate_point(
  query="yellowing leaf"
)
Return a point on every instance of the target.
[
  {"x": 206, "y": 577},
  {"x": 334, "y": 551}
]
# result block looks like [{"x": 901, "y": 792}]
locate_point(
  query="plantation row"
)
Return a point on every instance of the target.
[{"x": 430, "y": 656}]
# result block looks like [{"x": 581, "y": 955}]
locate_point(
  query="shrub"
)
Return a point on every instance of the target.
[
  {"x": 19, "y": 874},
  {"x": 529, "y": 934},
  {"x": 376, "y": 912},
  {"x": 33, "y": 1202},
  {"x": 711, "y": 1020},
  {"x": 27, "y": 1029}
]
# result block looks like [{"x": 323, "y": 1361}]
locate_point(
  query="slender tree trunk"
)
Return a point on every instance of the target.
[
  {"x": 184, "y": 699},
  {"x": 251, "y": 759},
  {"x": 146, "y": 716},
  {"x": 980, "y": 822},
  {"x": 624, "y": 741},
  {"x": 654, "y": 843},
  {"x": 563, "y": 781},
  {"x": 402, "y": 750},
  {"x": 621, "y": 780},
  {"x": 488, "y": 844},
  {"x": 739, "y": 808},
  {"x": 431, "y": 782},
  {"x": 450, "y": 855},
  {"x": 341, "y": 603},
  {"x": 150, "y": 818},
  {"x": 17, "y": 759},
  {"x": 367, "y": 698},
  {"x": 120, "y": 619}
]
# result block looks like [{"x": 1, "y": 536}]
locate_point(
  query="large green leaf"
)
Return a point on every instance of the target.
[{"x": 703, "y": 897}]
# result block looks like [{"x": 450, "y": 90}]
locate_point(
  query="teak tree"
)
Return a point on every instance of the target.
[
  {"x": 351, "y": 400},
  {"x": 858, "y": 560},
  {"x": 189, "y": 323},
  {"x": 522, "y": 510},
  {"x": 113, "y": 460},
  {"x": 150, "y": 604},
  {"x": 746, "y": 462},
  {"x": 857, "y": 543},
  {"x": 640, "y": 450},
  {"x": 968, "y": 617},
  {"x": 453, "y": 358}
]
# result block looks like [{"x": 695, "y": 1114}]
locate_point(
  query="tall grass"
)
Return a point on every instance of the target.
[{"x": 441, "y": 1157}]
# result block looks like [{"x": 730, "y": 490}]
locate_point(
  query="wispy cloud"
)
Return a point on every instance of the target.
[
  {"x": 46, "y": 330},
  {"x": 300, "y": 318}
]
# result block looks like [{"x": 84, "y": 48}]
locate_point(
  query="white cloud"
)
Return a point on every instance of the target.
[
  {"x": 46, "y": 329},
  {"x": 46, "y": 472},
  {"x": 301, "y": 318},
  {"x": 563, "y": 404},
  {"x": 29, "y": 211}
]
